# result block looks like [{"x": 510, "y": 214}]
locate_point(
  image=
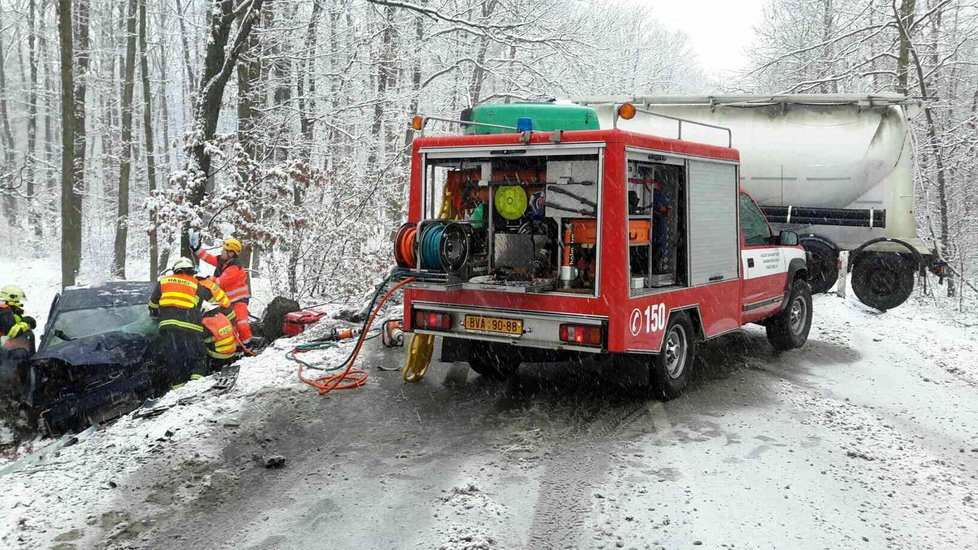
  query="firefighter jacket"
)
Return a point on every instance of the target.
[
  {"x": 220, "y": 297},
  {"x": 219, "y": 336},
  {"x": 176, "y": 302},
  {"x": 230, "y": 275},
  {"x": 11, "y": 316}
]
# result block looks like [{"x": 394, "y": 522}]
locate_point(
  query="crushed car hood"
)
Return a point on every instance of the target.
[{"x": 118, "y": 348}]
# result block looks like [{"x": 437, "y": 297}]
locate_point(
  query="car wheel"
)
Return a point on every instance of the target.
[
  {"x": 882, "y": 280},
  {"x": 823, "y": 267},
  {"x": 669, "y": 370},
  {"x": 789, "y": 329},
  {"x": 496, "y": 361}
]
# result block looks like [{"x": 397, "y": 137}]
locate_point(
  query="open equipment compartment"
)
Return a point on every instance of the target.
[{"x": 516, "y": 219}]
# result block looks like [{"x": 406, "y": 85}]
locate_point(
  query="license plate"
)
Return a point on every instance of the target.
[{"x": 494, "y": 324}]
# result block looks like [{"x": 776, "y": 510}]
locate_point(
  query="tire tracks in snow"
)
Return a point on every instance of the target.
[{"x": 577, "y": 464}]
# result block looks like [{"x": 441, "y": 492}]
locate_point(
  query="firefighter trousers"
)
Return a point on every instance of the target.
[
  {"x": 241, "y": 321},
  {"x": 183, "y": 353}
]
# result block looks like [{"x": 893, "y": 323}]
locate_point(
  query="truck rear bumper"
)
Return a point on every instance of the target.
[{"x": 539, "y": 329}]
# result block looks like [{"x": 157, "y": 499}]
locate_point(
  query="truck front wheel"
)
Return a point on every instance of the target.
[
  {"x": 669, "y": 370},
  {"x": 882, "y": 280},
  {"x": 789, "y": 328},
  {"x": 496, "y": 361}
]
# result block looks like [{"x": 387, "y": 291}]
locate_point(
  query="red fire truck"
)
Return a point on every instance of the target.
[{"x": 538, "y": 230}]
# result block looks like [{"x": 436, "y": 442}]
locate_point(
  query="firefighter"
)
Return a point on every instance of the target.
[
  {"x": 15, "y": 327},
  {"x": 220, "y": 297},
  {"x": 219, "y": 338},
  {"x": 176, "y": 302},
  {"x": 232, "y": 279}
]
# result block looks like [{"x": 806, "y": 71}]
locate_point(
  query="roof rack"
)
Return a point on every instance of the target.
[
  {"x": 747, "y": 100},
  {"x": 616, "y": 116}
]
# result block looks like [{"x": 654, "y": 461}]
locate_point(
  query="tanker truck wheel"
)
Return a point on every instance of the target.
[
  {"x": 823, "y": 271},
  {"x": 882, "y": 280}
]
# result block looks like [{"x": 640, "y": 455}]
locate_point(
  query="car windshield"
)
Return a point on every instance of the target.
[{"x": 81, "y": 323}]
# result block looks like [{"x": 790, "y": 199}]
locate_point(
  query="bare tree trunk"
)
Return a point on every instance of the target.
[
  {"x": 7, "y": 140},
  {"x": 831, "y": 86},
  {"x": 154, "y": 260},
  {"x": 164, "y": 104},
  {"x": 125, "y": 165},
  {"x": 191, "y": 79},
  {"x": 219, "y": 61},
  {"x": 249, "y": 70},
  {"x": 33, "y": 217},
  {"x": 479, "y": 72},
  {"x": 415, "y": 84},
  {"x": 385, "y": 75},
  {"x": 50, "y": 178},
  {"x": 70, "y": 197},
  {"x": 307, "y": 97},
  {"x": 905, "y": 16},
  {"x": 944, "y": 244}
]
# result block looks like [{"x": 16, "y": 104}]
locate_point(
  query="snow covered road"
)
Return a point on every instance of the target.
[{"x": 865, "y": 438}]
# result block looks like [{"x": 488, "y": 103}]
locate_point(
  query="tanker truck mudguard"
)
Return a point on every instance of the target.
[
  {"x": 835, "y": 169},
  {"x": 533, "y": 235}
]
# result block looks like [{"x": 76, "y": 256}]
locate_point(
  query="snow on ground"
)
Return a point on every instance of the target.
[
  {"x": 79, "y": 494},
  {"x": 74, "y": 488}
]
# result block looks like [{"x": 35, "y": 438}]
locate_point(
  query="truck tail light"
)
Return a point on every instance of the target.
[
  {"x": 588, "y": 335},
  {"x": 432, "y": 320}
]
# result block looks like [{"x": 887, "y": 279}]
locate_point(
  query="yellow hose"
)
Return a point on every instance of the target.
[{"x": 420, "y": 349}]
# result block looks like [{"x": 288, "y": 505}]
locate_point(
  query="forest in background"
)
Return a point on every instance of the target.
[{"x": 284, "y": 123}]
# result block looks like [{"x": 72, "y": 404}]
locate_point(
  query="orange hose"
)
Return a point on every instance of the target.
[
  {"x": 350, "y": 377},
  {"x": 407, "y": 246},
  {"x": 244, "y": 348}
]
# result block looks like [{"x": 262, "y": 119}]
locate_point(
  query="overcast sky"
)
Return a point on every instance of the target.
[{"x": 719, "y": 30}]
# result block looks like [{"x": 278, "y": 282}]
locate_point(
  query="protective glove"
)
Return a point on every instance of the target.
[
  {"x": 194, "y": 239},
  {"x": 18, "y": 329}
]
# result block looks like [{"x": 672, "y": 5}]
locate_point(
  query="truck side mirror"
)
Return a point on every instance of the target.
[{"x": 788, "y": 238}]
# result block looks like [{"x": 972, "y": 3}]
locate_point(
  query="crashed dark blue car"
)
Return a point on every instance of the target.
[{"x": 98, "y": 357}]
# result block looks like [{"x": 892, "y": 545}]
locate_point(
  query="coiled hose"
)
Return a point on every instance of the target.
[
  {"x": 350, "y": 377},
  {"x": 430, "y": 241}
]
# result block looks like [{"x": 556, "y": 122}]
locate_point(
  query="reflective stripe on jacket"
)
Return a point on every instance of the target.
[
  {"x": 177, "y": 297},
  {"x": 220, "y": 298},
  {"x": 220, "y": 341},
  {"x": 10, "y": 316},
  {"x": 179, "y": 291}
]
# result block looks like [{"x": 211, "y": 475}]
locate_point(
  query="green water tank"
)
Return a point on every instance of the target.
[{"x": 546, "y": 117}]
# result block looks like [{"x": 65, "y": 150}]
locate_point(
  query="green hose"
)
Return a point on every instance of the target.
[{"x": 312, "y": 346}]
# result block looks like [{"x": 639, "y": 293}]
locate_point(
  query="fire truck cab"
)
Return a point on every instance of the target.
[{"x": 554, "y": 234}]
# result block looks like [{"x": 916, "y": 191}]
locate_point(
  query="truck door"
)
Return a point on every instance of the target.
[{"x": 763, "y": 264}]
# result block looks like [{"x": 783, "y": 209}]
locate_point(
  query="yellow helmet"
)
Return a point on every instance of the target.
[
  {"x": 13, "y": 295},
  {"x": 233, "y": 245}
]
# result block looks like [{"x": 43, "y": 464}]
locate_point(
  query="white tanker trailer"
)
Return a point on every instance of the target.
[{"x": 836, "y": 169}]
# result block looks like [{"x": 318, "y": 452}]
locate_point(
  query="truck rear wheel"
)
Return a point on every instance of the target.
[
  {"x": 882, "y": 280},
  {"x": 669, "y": 370},
  {"x": 496, "y": 361},
  {"x": 823, "y": 269},
  {"x": 789, "y": 328}
]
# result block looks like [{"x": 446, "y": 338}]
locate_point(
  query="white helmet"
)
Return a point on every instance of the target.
[{"x": 183, "y": 264}]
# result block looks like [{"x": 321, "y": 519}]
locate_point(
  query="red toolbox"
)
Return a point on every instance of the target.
[{"x": 297, "y": 321}]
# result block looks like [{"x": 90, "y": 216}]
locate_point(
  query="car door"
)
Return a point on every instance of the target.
[{"x": 762, "y": 262}]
